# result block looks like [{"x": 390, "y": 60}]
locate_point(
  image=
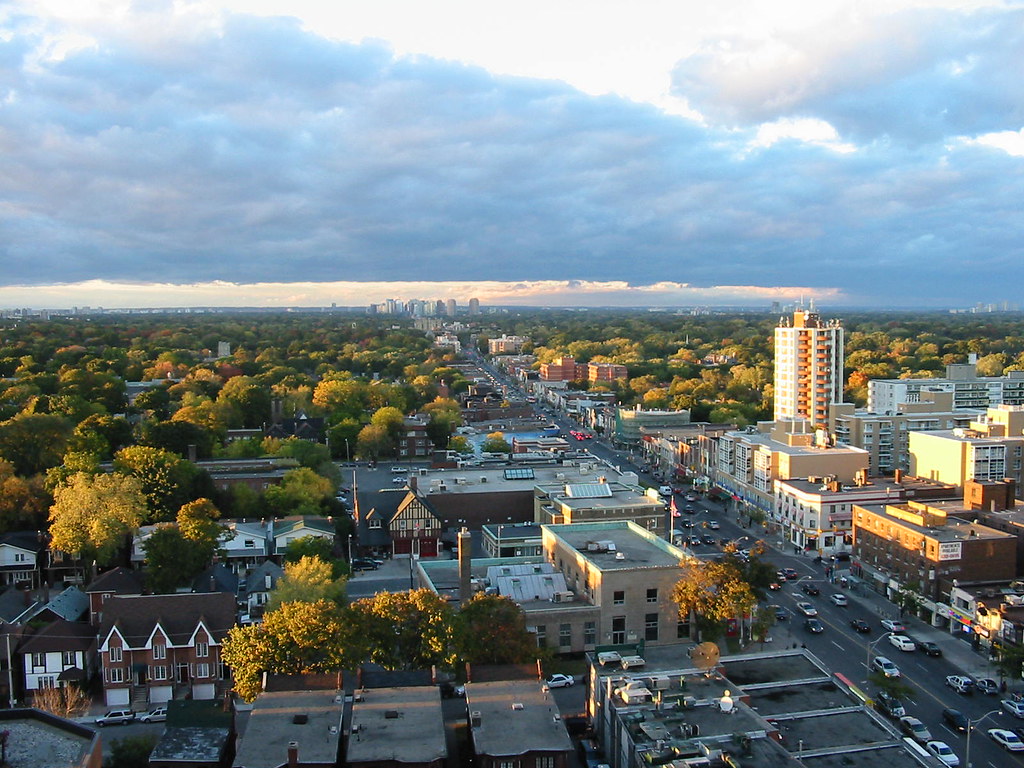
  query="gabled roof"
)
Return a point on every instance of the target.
[
  {"x": 179, "y": 615},
  {"x": 288, "y": 525},
  {"x": 71, "y": 605},
  {"x": 216, "y": 578},
  {"x": 27, "y": 540},
  {"x": 13, "y": 606},
  {"x": 256, "y": 581},
  {"x": 412, "y": 501},
  {"x": 60, "y": 635},
  {"x": 117, "y": 581}
]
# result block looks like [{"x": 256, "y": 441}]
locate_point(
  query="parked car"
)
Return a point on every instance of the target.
[
  {"x": 987, "y": 686},
  {"x": 859, "y": 625},
  {"x": 956, "y": 720},
  {"x": 399, "y": 470},
  {"x": 814, "y": 626},
  {"x": 839, "y": 600},
  {"x": 902, "y": 642},
  {"x": 1015, "y": 708},
  {"x": 945, "y": 755},
  {"x": 364, "y": 564},
  {"x": 890, "y": 705},
  {"x": 116, "y": 717},
  {"x": 807, "y": 609},
  {"x": 915, "y": 729},
  {"x": 928, "y": 647},
  {"x": 1008, "y": 740},
  {"x": 809, "y": 589},
  {"x": 780, "y": 612},
  {"x": 560, "y": 681},
  {"x": 891, "y": 625},
  {"x": 157, "y": 715},
  {"x": 960, "y": 684},
  {"x": 885, "y": 666},
  {"x": 781, "y": 576}
]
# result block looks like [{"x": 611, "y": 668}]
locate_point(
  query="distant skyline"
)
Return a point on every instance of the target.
[{"x": 256, "y": 153}]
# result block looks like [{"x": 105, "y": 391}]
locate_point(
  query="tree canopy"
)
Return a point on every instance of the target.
[{"x": 94, "y": 515}]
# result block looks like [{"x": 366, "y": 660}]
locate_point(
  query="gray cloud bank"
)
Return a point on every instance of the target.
[{"x": 262, "y": 153}]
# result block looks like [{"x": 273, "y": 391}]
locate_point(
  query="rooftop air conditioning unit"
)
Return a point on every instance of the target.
[{"x": 483, "y": 478}]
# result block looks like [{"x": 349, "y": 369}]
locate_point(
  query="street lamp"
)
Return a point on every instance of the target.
[
  {"x": 867, "y": 662},
  {"x": 498, "y": 552},
  {"x": 970, "y": 727}
]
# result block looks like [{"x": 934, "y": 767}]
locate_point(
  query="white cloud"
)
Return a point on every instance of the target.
[{"x": 1010, "y": 142}]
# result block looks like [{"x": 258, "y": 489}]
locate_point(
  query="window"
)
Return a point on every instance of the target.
[
  {"x": 115, "y": 653},
  {"x": 373, "y": 524},
  {"x": 160, "y": 672},
  {"x": 618, "y": 597},
  {"x": 159, "y": 651},
  {"x": 202, "y": 670},
  {"x": 38, "y": 659},
  {"x": 651, "y": 627},
  {"x": 202, "y": 649},
  {"x": 67, "y": 659},
  {"x": 545, "y": 762},
  {"x": 542, "y": 635},
  {"x": 590, "y": 633},
  {"x": 48, "y": 681},
  {"x": 401, "y": 524},
  {"x": 652, "y": 595},
  {"x": 116, "y": 675},
  {"x": 683, "y": 629},
  {"x": 250, "y": 543},
  {"x": 565, "y": 635}
]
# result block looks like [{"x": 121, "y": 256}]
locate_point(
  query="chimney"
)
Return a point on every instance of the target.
[
  {"x": 192, "y": 452},
  {"x": 898, "y": 476},
  {"x": 412, "y": 483},
  {"x": 465, "y": 565},
  {"x": 293, "y": 754}
]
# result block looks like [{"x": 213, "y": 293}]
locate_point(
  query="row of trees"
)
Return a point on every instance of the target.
[{"x": 397, "y": 630}]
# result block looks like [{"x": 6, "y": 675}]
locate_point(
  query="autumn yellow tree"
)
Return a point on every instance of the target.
[
  {"x": 308, "y": 580},
  {"x": 713, "y": 591},
  {"x": 92, "y": 516}
]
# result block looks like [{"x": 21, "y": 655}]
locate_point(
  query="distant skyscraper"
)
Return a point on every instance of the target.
[
  {"x": 474, "y": 306},
  {"x": 223, "y": 349},
  {"x": 808, "y": 367},
  {"x": 450, "y": 307}
]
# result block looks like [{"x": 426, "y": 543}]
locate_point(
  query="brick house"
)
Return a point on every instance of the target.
[
  {"x": 154, "y": 645},
  {"x": 117, "y": 581}
]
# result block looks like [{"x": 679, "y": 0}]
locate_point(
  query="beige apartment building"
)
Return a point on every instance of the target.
[
  {"x": 969, "y": 390},
  {"x": 886, "y": 436},
  {"x": 990, "y": 449},
  {"x": 808, "y": 367},
  {"x": 748, "y": 462}
]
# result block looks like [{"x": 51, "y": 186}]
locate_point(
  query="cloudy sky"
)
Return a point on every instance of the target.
[{"x": 175, "y": 152}]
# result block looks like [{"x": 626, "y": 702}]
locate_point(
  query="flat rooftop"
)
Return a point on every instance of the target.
[
  {"x": 403, "y": 725},
  {"x": 954, "y": 529},
  {"x": 311, "y": 718},
  {"x": 618, "y": 545},
  {"x": 470, "y": 480},
  {"x": 516, "y": 716}
]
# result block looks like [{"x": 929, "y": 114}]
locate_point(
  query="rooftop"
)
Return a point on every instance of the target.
[
  {"x": 310, "y": 718},
  {"x": 41, "y": 740},
  {"x": 402, "y": 725},
  {"x": 514, "y": 717},
  {"x": 469, "y": 480},
  {"x": 618, "y": 545}
]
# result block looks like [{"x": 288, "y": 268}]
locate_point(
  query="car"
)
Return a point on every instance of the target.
[
  {"x": 885, "y": 666},
  {"x": 859, "y": 625},
  {"x": 687, "y": 523},
  {"x": 157, "y": 715},
  {"x": 941, "y": 750},
  {"x": 890, "y": 705},
  {"x": 364, "y": 564},
  {"x": 116, "y": 717},
  {"x": 987, "y": 686},
  {"x": 780, "y": 612},
  {"x": 791, "y": 573},
  {"x": 902, "y": 642},
  {"x": 664, "y": 490},
  {"x": 839, "y": 600},
  {"x": 690, "y": 509},
  {"x": 714, "y": 525},
  {"x": 399, "y": 470},
  {"x": 814, "y": 626},
  {"x": 956, "y": 720},
  {"x": 1008, "y": 740},
  {"x": 809, "y": 589},
  {"x": 891, "y": 625},
  {"x": 691, "y": 497},
  {"x": 781, "y": 575},
  {"x": 915, "y": 729},
  {"x": 960, "y": 684},
  {"x": 708, "y": 538},
  {"x": 774, "y": 586},
  {"x": 398, "y": 480},
  {"x": 807, "y": 609},
  {"x": 1015, "y": 708},
  {"x": 928, "y": 648},
  {"x": 695, "y": 541},
  {"x": 560, "y": 681}
]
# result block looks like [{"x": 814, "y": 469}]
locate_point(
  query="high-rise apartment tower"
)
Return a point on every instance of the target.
[{"x": 808, "y": 367}]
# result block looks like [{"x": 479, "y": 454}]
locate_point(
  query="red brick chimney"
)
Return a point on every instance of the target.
[{"x": 293, "y": 754}]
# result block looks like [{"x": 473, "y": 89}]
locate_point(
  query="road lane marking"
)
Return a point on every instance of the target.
[{"x": 837, "y": 645}]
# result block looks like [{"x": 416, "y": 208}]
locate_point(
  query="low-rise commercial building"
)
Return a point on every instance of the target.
[{"x": 990, "y": 449}]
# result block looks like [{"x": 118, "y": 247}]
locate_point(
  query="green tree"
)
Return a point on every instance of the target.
[
  {"x": 301, "y": 492},
  {"x": 34, "y": 442},
  {"x": 491, "y": 629},
  {"x": 495, "y": 442},
  {"x": 404, "y": 630},
  {"x": 460, "y": 444},
  {"x": 102, "y": 435},
  {"x": 309, "y": 546},
  {"x": 1010, "y": 662},
  {"x": 172, "y": 560},
  {"x": 93, "y": 516},
  {"x": 306, "y": 452},
  {"x": 24, "y": 503},
  {"x": 166, "y": 478},
  {"x": 298, "y": 637},
  {"x": 178, "y": 437},
  {"x": 308, "y": 580},
  {"x": 374, "y": 442},
  {"x": 249, "y": 399},
  {"x": 130, "y": 752}
]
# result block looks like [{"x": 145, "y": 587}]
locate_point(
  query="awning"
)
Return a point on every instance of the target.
[{"x": 71, "y": 675}]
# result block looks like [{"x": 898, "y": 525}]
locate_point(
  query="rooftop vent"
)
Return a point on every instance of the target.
[
  {"x": 392, "y": 714},
  {"x": 301, "y": 719},
  {"x": 517, "y": 706}
]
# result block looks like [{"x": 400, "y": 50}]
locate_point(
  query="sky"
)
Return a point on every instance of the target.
[{"x": 564, "y": 152}]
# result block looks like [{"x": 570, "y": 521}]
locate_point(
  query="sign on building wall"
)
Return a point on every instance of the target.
[{"x": 950, "y": 550}]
